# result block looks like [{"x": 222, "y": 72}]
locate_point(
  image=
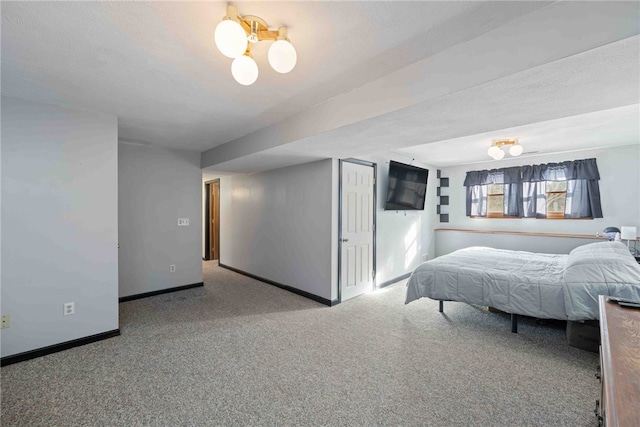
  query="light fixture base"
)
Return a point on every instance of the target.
[{"x": 252, "y": 18}]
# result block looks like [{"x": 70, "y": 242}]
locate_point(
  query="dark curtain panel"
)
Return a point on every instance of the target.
[
  {"x": 512, "y": 179},
  {"x": 583, "y": 199},
  {"x": 477, "y": 200},
  {"x": 513, "y": 200},
  {"x": 583, "y": 190},
  {"x": 529, "y": 199},
  {"x": 534, "y": 190}
]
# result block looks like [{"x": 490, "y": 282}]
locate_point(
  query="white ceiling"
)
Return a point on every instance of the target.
[
  {"x": 154, "y": 65},
  {"x": 607, "y": 128}
]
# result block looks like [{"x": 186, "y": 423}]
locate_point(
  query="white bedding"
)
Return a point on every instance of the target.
[{"x": 539, "y": 285}]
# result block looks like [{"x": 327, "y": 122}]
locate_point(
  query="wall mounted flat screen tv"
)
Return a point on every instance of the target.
[{"x": 407, "y": 187}]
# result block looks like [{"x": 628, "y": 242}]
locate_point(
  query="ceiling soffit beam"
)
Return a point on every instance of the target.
[
  {"x": 557, "y": 31},
  {"x": 600, "y": 79}
]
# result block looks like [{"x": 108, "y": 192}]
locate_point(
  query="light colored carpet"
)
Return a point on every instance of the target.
[{"x": 241, "y": 352}]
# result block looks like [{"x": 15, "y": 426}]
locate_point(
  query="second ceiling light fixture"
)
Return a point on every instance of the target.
[
  {"x": 496, "y": 151},
  {"x": 234, "y": 37}
]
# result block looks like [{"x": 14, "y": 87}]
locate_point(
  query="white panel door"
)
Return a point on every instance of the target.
[{"x": 356, "y": 276}]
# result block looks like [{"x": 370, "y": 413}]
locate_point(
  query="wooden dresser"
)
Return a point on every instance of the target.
[{"x": 619, "y": 403}]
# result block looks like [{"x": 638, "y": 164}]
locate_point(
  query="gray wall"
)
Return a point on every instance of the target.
[
  {"x": 283, "y": 225},
  {"x": 59, "y": 224},
  {"x": 156, "y": 187},
  {"x": 619, "y": 184},
  {"x": 278, "y": 225},
  {"x": 449, "y": 241},
  {"x": 403, "y": 238}
]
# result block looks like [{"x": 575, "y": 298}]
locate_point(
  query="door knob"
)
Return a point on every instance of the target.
[{"x": 345, "y": 240}]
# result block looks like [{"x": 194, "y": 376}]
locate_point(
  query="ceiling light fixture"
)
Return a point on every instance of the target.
[
  {"x": 234, "y": 37},
  {"x": 497, "y": 152}
]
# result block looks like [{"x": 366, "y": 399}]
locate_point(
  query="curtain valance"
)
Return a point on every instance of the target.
[
  {"x": 565, "y": 171},
  {"x": 525, "y": 189},
  {"x": 495, "y": 176}
]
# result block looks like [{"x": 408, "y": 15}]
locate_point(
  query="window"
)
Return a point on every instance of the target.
[
  {"x": 556, "y": 198},
  {"x": 495, "y": 200},
  {"x": 553, "y": 190}
]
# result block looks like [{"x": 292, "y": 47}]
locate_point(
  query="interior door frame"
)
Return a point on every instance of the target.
[
  {"x": 375, "y": 228},
  {"x": 207, "y": 231}
]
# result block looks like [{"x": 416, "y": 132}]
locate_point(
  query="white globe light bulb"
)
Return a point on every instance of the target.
[
  {"x": 493, "y": 150},
  {"x": 498, "y": 155},
  {"x": 282, "y": 56},
  {"x": 516, "y": 150},
  {"x": 245, "y": 70},
  {"x": 231, "y": 39}
]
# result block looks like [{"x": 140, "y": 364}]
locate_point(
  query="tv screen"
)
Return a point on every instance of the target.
[{"x": 407, "y": 187}]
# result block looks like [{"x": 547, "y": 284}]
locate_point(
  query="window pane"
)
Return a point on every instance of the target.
[
  {"x": 495, "y": 189},
  {"x": 495, "y": 204},
  {"x": 555, "y": 202},
  {"x": 556, "y": 185}
]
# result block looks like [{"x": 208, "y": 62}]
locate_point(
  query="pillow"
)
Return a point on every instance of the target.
[
  {"x": 602, "y": 262},
  {"x": 603, "y": 248}
]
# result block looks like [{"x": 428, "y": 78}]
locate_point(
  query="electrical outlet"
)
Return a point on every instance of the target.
[
  {"x": 6, "y": 321},
  {"x": 172, "y": 268},
  {"x": 425, "y": 257},
  {"x": 183, "y": 221},
  {"x": 69, "y": 308}
]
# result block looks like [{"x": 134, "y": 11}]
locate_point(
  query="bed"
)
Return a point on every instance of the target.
[{"x": 545, "y": 286}]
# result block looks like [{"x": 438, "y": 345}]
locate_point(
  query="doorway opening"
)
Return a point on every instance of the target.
[{"x": 212, "y": 220}]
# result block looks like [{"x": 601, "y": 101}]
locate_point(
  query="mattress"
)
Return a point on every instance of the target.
[{"x": 548, "y": 286}]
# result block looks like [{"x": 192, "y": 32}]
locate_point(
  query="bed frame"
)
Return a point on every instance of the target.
[{"x": 514, "y": 317}]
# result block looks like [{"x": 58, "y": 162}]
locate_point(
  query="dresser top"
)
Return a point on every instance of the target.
[{"x": 620, "y": 333}]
